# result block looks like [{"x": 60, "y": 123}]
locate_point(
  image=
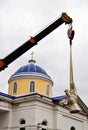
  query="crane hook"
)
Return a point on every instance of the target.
[{"x": 70, "y": 32}]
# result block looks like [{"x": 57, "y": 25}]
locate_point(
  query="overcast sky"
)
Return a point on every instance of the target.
[{"x": 20, "y": 19}]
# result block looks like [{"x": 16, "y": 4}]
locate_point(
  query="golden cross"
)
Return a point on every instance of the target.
[{"x": 32, "y": 55}]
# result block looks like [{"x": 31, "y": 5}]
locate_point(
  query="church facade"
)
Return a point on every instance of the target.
[{"x": 29, "y": 104}]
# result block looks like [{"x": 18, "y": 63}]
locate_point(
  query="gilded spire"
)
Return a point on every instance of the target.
[
  {"x": 72, "y": 85},
  {"x": 71, "y": 67},
  {"x": 72, "y": 96}
]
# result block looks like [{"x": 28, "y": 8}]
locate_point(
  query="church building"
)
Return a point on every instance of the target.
[{"x": 29, "y": 104}]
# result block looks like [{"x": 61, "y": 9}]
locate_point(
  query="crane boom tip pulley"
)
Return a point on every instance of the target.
[{"x": 66, "y": 18}]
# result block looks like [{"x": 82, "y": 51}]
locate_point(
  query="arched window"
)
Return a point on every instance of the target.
[
  {"x": 44, "y": 125},
  {"x": 23, "y": 128},
  {"x": 22, "y": 122},
  {"x": 47, "y": 90},
  {"x": 32, "y": 86},
  {"x": 72, "y": 128},
  {"x": 15, "y": 88}
]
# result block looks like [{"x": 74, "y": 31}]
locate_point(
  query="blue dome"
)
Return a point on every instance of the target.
[
  {"x": 30, "y": 71},
  {"x": 31, "y": 68}
]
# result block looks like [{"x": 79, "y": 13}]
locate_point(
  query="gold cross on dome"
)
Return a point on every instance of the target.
[
  {"x": 32, "y": 54},
  {"x": 32, "y": 61}
]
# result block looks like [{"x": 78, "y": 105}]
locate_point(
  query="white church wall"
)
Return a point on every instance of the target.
[
  {"x": 35, "y": 110},
  {"x": 44, "y": 114},
  {"x": 39, "y": 110},
  {"x": 65, "y": 120},
  {"x": 23, "y": 111},
  {"x": 85, "y": 125},
  {"x": 68, "y": 122},
  {"x": 4, "y": 116}
]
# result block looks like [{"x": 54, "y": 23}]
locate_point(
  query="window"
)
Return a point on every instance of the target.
[
  {"x": 32, "y": 86},
  {"x": 22, "y": 121},
  {"x": 22, "y": 124},
  {"x": 72, "y": 128},
  {"x": 15, "y": 88},
  {"x": 22, "y": 128},
  {"x": 43, "y": 129},
  {"x": 47, "y": 90},
  {"x": 44, "y": 125}
]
